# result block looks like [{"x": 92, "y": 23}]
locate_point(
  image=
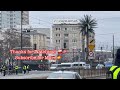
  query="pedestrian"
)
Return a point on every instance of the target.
[
  {"x": 10, "y": 68},
  {"x": 24, "y": 68},
  {"x": 16, "y": 69},
  {"x": 4, "y": 68},
  {"x": 28, "y": 68},
  {"x": 1, "y": 69},
  {"x": 114, "y": 71}
]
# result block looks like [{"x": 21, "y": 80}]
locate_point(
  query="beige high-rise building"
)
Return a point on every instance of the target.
[{"x": 66, "y": 34}]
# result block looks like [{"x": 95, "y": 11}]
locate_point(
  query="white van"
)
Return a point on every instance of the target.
[
  {"x": 54, "y": 66},
  {"x": 65, "y": 65},
  {"x": 78, "y": 64}
]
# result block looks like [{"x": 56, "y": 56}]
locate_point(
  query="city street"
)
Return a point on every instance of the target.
[
  {"x": 36, "y": 75},
  {"x": 82, "y": 45},
  {"x": 31, "y": 75}
]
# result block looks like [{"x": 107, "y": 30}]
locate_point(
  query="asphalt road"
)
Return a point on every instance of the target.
[{"x": 36, "y": 75}]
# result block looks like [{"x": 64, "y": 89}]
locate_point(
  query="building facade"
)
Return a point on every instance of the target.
[
  {"x": 66, "y": 35},
  {"x": 38, "y": 40},
  {"x": 47, "y": 32},
  {"x": 9, "y": 19}
]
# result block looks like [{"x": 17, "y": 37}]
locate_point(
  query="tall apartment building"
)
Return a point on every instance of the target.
[
  {"x": 66, "y": 34},
  {"x": 9, "y": 19}
]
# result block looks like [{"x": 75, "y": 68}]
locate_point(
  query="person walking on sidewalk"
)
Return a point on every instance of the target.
[
  {"x": 28, "y": 68},
  {"x": 4, "y": 68},
  {"x": 24, "y": 68},
  {"x": 16, "y": 69}
]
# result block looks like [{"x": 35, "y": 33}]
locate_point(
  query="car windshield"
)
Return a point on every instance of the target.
[
  {"x": 87, "y": 65},
  {"x": 65, "y": 65},
  {"x": 61, "y": 75},
  {"x": 77, "y": 65}
]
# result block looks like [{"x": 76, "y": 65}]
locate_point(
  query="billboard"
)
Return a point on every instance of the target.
[{"x": 66, "y": 21}]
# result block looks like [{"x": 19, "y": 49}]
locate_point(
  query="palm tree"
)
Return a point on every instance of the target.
[{"x": 87, "y": 24}]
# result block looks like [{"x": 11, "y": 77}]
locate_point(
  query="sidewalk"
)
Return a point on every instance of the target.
[{"x": 97, "y": 77}]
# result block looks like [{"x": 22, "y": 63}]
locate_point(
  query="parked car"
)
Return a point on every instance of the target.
[
  {"x": 64, "y": 75},
  {"x": 100, "y": 66},
  {"x": 87, "y": 66}
]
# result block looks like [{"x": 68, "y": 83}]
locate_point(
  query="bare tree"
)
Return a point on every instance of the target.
[{"x": 12, "y": 39}]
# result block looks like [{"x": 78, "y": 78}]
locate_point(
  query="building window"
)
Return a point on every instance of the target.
[
  {"x": 56, "y": 29},
  {"x": 59, "y": 28},
  {"x": 65, "y": 40},
  {"x": 11, "y": 19},
  {"x": 57, "y": 41},
  {"x": 58, "y": 35},
  {"x": 11, "y": 15},
  {"x": 65, "y": 45},
  {"x": 66, "y": 35},
  {"x": 65, "y": 28},
  {"x": 74, "y": 40},
  {"x": 11, "y": 22},
  {"x": 74, "y": 35}
]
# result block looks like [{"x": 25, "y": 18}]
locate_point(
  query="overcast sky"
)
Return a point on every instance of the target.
[{"x": 108, "y": 22}]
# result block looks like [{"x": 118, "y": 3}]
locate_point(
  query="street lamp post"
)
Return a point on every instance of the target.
[{"x": 113, "y": 49}]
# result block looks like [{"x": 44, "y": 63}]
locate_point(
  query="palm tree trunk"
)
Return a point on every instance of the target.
[
  {"x": 87, "y": 44},
  {"x": 83, "y": 45}
]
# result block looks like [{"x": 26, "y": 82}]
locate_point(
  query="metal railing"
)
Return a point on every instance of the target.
[{"x": 87, "y": 73}]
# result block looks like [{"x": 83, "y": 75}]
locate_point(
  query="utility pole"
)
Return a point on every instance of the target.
[
  {"x": 113, "y": 48},
  {"x": 21, "y": 32},
  {"x": 73, "y": 54},
  {"x": 101, "y": 54}
]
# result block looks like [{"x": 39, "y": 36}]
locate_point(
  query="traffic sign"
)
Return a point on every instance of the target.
[
  {"x": 92, "y": 42},
  {"x": 91, "y": 54},
  {"x": 91, "y": 47}
]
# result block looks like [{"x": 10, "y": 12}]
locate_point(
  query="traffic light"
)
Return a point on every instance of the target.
[
  {"x": 60, "y": 52},
  {"x": 59, "y": 57}
]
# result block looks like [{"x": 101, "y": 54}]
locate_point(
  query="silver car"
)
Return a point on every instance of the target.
[{"x": 64, "y": 75}]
